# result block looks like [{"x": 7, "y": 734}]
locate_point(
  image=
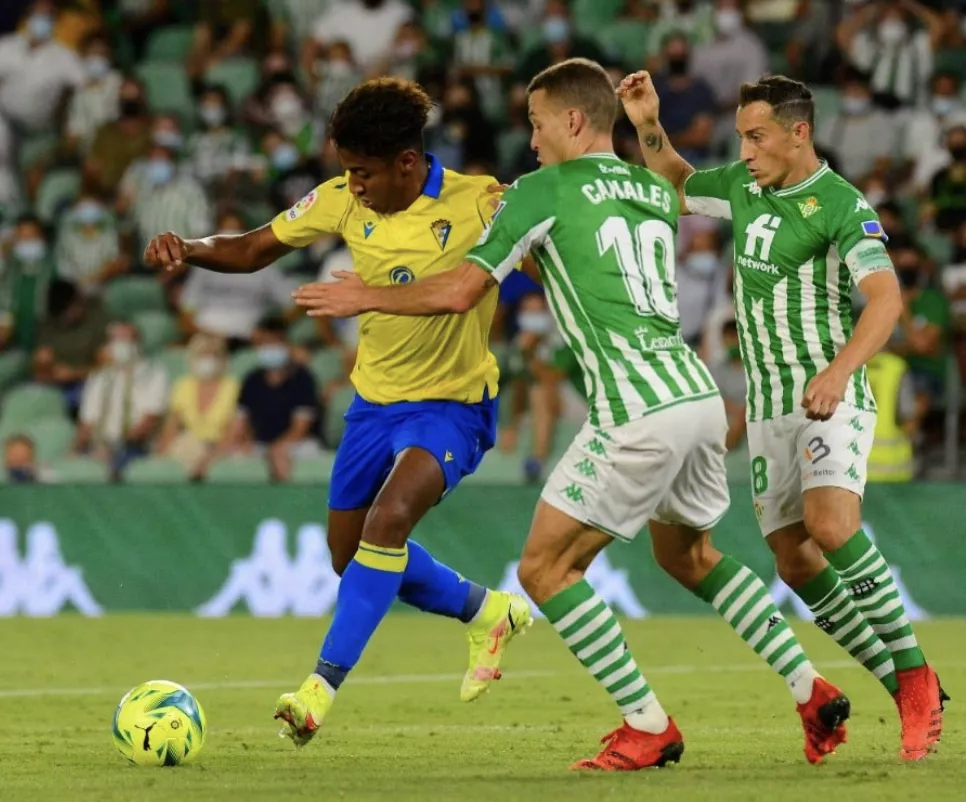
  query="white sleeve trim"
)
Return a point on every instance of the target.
[
  {"x": 534, "y": 237},
  {"x": 709, "y": 207}
]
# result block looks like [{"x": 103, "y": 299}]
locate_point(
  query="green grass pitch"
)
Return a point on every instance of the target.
[{"x": 398, "y": 731}]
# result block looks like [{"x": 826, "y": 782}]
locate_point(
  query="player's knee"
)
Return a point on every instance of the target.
[
  {"x": 388, "y": 523},
  {"x": 797, "y": 560},
  {"x": 828, "y": 527}
]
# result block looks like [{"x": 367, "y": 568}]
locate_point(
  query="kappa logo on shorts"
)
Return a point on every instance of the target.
[
  {"x": 856, "y": 424},
  {"x": 853, "y": 474},
  {"x": 596, "y": 447},
  {"x": 574, "y": 493},
  {"x": 816, "y": 450},
  {"x": 587, "y": 468},
  {"x": 854, "y": 448}
]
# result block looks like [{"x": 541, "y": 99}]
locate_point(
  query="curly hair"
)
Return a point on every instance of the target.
[{"x": 381, "y": 118}]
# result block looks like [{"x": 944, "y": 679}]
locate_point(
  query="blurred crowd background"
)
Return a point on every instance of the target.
[{"x": 120, "y": 119}]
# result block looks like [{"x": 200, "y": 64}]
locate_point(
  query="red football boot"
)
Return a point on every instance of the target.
[
  {"x": 823, "y": 719},
  {"x": 920, "y": 701},
  {"x": 627, "y": 749}
]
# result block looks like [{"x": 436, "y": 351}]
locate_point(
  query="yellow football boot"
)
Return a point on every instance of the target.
[
  {"x": 303, "y": 710},
  {"x": 503, "y": 616}
]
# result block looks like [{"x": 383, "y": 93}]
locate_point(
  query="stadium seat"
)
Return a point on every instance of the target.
[
  {"x": 335, "y": 415},
  {"x": 35, "y": 148},
  {"x": 497, "y": 468},
  {"x": 57, "y": 191},
  {"x": 626, "y": 40},
  {"x": 13, "y": 367},
  {"x": 591, "y": 15},
  {"x": 171, "y": 43},
  {"x": 827, "y": 100},
  {"x": 327, "y": 366},
  {"x": 79, "y": 470},
  {"x": 31, "y": 402},
  {"x": 167, "y": 87},
  {"x": 303, "y": 331},
  {"x": 239, "y": 470},
  {"x": 174, "y": 361},
  {"x": 239, "y": 76},
  {"x": 125, "y": 297},
  {"x": 158, "y": 329},
  {"x": 938, "y": 247},
  {"x": 53, "y": 437},
  {"x": 242, "y": 363},
  {"x": 155, "y": 470},
  {"x": 313, "y": 471}
]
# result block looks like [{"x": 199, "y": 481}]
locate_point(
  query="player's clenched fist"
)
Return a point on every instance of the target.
[
  {"x": 640, "y": 99},
  {"x": 167, "y": 251}
]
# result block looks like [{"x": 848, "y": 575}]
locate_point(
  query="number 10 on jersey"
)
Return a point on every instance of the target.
[{"x": 646, "y": 260}]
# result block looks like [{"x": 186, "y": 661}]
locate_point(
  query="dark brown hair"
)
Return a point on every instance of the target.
[
  {"x": 582, "y": 84},
  {"x": 791, "y": 101}
]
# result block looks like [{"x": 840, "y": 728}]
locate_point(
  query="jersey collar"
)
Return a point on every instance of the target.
[
  {"x": 804, "y": 183},
  {"x": 602, "y": 155},
  {"x": 434, "y": 178}
]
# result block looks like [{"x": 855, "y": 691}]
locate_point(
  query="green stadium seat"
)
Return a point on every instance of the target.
[
  {"x": 626, "y": 40},
  {"x": 157, "y": 329},
  {"x": 58, "y": 189},
  {"x": 335, "y": 415},
  {"x": 79, "y": 470},
  {"x": 242, "y": 363},
  {"x": 509, "y": 145},
  {"x": 827, "y": 101},
  {"x": 327, "y": 366},
  {"x": 171, "y": 43},
  {"x": 125, "y": 297},
  {"x": 31, "y": 402},
  {"x": 303, "y": 331},
  {"x": 239, "y": 470},
  {"x": 239, "y": 76},
  {"x": 167, "y": 87},
  {"x": 591, "y": 15},
  {"x": 53, "y": 437},
  {"x": 155, "y": 470},
  {"x": 35, "y": 148},
  {"x": 13, "y": 368},
  {"x": 497, "y": 468},
  {"x": 174, "y": 361},
  {"x": 313, "y": 471},
  {"x": 938, "y": 247}
]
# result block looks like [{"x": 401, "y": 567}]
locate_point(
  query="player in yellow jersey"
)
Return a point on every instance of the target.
[{"x": 425, "y": 409}]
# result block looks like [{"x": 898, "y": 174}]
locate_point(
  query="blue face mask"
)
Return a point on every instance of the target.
[
  {"x": 556, "y": 29},
  {"x": 168, "y": 139},
  {"x": 160, "y": 171},
  {"x": 285, "y": 157},
  {"x": 273, "y": 357},
  {"x": 30, "y": 250},
  {"x": 97, "y": 67},
  {"x": 89, "y": 213},
  {"x": 40, "y": 26},
  {"x": 21, "y": 476}
]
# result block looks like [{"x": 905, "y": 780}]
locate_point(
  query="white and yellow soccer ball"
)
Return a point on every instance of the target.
[{"x": 159, "y": 723}]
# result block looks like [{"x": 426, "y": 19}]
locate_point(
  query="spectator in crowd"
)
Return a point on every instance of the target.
[
  {"x": 117, "y": 145},
  {"x": 217, "y": 149},
  {"x": 687, "y": 103},
  {"x": 700, "y": 282},
  {"x": 693, "y": 18},
  {"x": 729, "y": 375},
  {"x": 811, "y": 49},
  {"x": 140, "y": 18},
  {"x": 20, "y": 461},
  {"x": 9, "y": 180},
  {"x": 924, "y": 134},
  {"x": 410, "y": 56},
  {"x": 369, "y": 27},
  {"x": 894, "y": 42},
  {"x": 230, "y": 305},
  {"x": 70, "y": 341},
  {"x": 289, "y": 113},
  {"x": 860, "y": 134},
  {"x": 954, "y": 284},
  {"x": 122, "y": 403},
  {"x": 892, "y": 457},
  {"x": 290, "y": 174},
  {"x": 276, "y": 67},
  {"x": 37, "y": 74},
  {"x": 948, "y": 201},
  {"x": 227, "y": 29},
  {"x": 331, "y": 78},
  {"x": 201, "y": 408},
  {"x": 88, "y": 250},
  {"x": 482, "y": 52},
  {"x": 922, "y": 336},
  {"x": 463, "y": 135},
  {"x": 278, "y": 409},
  {"x": 96, "y": 102},
  {"x": 28, "y": 271},
  {"x": 559, "y": 43}
]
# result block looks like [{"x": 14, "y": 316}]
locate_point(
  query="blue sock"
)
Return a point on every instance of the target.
[
  {"x": 432, "y": 587},
  {"x": 369, "y": 586}
]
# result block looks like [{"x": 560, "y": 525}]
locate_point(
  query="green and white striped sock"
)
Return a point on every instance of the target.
[
  {"x": 839, "y": 617},
  {"x": 742, "y": 599},
  {"x": 591, "y": 632},
  {"x": 867, "y": 576}
]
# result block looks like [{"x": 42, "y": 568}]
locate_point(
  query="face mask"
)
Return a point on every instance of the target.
[
  {"x": 556, "y": 29},
  {"x": 535, "y": 322},
  {"x": 678, "y": 65},
  {"x": 875, "y": 197},
  {"x": 132, "y": 107},
  {"x": 406, "y": 50},
  {"x": 702, "y": 263},
  {"x": 272, "y": 357},
  {"x": 160, "y": 171},
  {"x": 958, "y": 152},
  {"x": 339, "y": 68},
  {"x": 944, "y": 106},
  {"x": 123, "y": 352},
  {"x": 855, "y": 106},
  {"x": 285, "y": 157},
  {"x": 205, "y": 367},
  {"x": 21, "y": 476},
  {"x": 168, "y": 139},
  {"x": 212, "y": 116},
  {"x": 892, "y": 32},
  {"x": 89, "y": 213},
  {"x": 728, "y": 21},
  {"x": 908, "y": 277},
  {"x": 287, "y": 107},
  {"x": 41, "y": 26},
  {"x": 97, "y": 67},
  {"x": 30, "y": 250}
]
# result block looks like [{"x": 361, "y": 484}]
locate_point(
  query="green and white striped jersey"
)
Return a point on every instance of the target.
[
  {"x": 797, "y": 252},
  {"x": 602, "y": 233}
]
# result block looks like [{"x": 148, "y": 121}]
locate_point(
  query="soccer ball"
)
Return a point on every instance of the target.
[{"x": 159, "y": 723}]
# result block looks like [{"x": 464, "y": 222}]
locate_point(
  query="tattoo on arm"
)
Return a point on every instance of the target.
[{"x": 654, "y": 142}]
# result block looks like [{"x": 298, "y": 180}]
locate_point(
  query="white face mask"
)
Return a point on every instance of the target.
[
  {"x": 206, "y": 367},
  {"x": 535, "y": 322},
  {"x": 876, "y": 196},
  {"x": 892, "y": 32},
  {"x": 943, "y": 106},
  {"x": 123, "y": 352},
  {"x": 855, "y": 105},
  {"x": 701, "y": 263},
  {"x": 728, "y": 21}
]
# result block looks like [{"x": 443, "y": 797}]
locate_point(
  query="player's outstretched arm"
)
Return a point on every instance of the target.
[
  {"x": 872, "y": 331},
  {"x": 453, "y": 292},
  {"x": 222, "y": 253},
  {"x": 642, "y": 105}
]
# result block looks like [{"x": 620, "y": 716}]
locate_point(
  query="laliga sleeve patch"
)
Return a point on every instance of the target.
[
  {"x": 873, "y": 229},
  {"x": 302, "y": 206}
]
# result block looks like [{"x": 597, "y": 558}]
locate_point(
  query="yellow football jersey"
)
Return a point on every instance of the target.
[{"x": 446, "y": 357}]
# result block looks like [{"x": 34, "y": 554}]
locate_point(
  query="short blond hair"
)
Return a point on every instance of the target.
[
  {"x": 207, "y": 343},
  {"x": 582, "y": 84}
]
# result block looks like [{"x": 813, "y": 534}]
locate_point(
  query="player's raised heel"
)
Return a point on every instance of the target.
[
  {"x": 823, "y": 719},
  {"x": 835, "y": 713}
]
